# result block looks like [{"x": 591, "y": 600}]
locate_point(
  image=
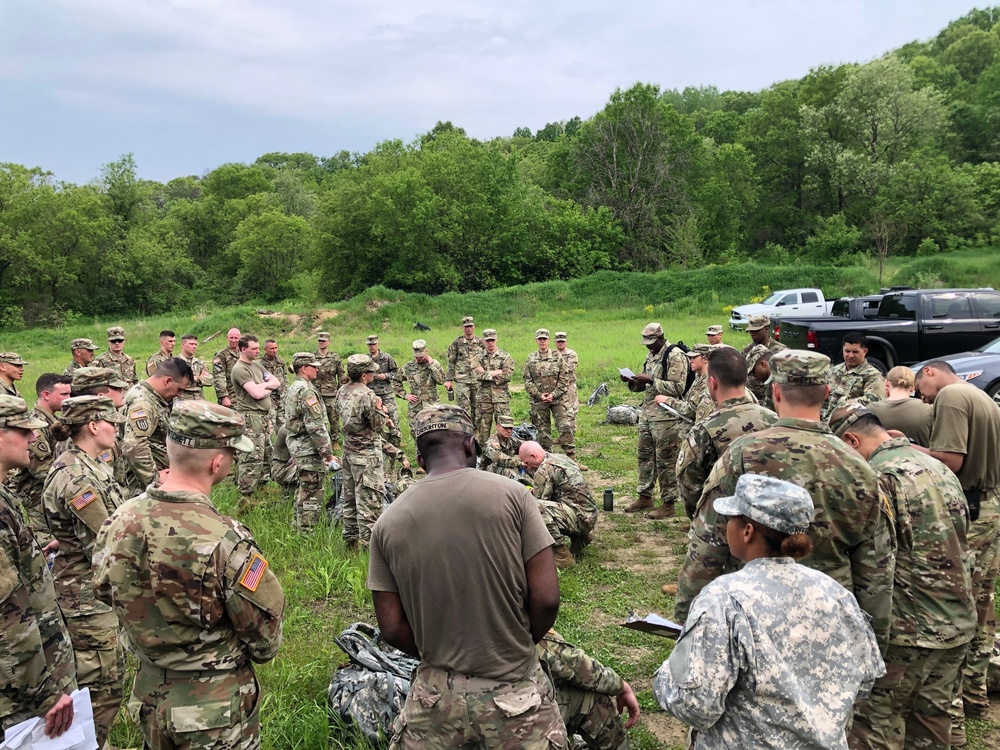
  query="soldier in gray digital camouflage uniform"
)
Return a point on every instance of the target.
[
  {"x": 462, "y": 354},
  {"x": 493, "y": 368},
  {"x": 307, "y": 441},
  {"x": 116, "y": 359},
  {"x": 424, "y": 374},
  {"x": 500, "y": 453}
]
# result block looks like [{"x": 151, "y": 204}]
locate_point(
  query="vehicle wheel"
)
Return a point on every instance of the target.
[
  {"x": 993, "y": 391},
  {"x": 879, "y": 365}
]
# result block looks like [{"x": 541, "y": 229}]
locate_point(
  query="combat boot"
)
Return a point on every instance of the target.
[
  {"x": 667, "y": 510},
  {"x": 563, "y": 557},
  {"x": 670, "y": 589},
  {"x": 641, "y": 503}
]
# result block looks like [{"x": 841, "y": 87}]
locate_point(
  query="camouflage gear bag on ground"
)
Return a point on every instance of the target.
[{"x": 622, "y": 415}]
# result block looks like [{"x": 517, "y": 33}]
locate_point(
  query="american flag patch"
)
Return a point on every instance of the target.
[
  {"x": 254, "y": 572},
  {"x": 106, "y": 456},
  {"x": 138, "y": 414},
  {"x": 84, "y": 499},
  {"x": 311, "y": 401}
]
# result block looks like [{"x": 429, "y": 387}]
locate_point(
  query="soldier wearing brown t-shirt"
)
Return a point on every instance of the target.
[
  {"x": 898, "y": 411},
  {"x": 251, "y": 397}
]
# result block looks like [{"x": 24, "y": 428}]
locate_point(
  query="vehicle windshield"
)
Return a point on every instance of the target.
[
  {"x": 993, "y": 347},
  {"x": 773, "y": 299}
]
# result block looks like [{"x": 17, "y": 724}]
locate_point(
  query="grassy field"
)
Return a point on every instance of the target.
[{"x": 325, "y": 585}]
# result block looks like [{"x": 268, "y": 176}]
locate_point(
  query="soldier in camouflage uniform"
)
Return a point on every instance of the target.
[
  {"x": 331, "y": 377},
  {"x": 83, "y": 354},
  {"x": 275, "y": 365},
  {"x": 759, "y": 328},
  {"x": 283, "y": 468},
  {"x": 774, "y": 655},
  {"x": 933, "y": 606},
  {"x": 307, "y": 441},
  {"x": 855, "y": 379},
  {"x": 500, "y": 453},
  {"x": 758, "y": 359},
  {"x": 564, "y": 499},
  {"x": 714, "y": 335},
  {"x": 546, "y": 383},
  {"x": 590, "y": 695},
  {"x": 52, "y": 390},
  {"x": 39, "y": 671},
  {"x": 851, "y": 533},
  {"x": 462, "y": 355},
  {"x": 169, "y": 549},
  {"x": 102, "y": 381},
  {"x": 695, "y": 397},
  {"x": 11, "y": 370},
  {"x": 147, "y": 407},
  {"x": 364, "y": 482},
  {"x": 572, "y": 362},
  {"x": 493, "y": 368},
  {"x": 80, "y": 494},
  {"x": 252, "y": 386},
  {"x": 201, "y": 376},
  {"x": 382, "y": 386},
  {"x": 664, "y": 373},
  {"x": 222, "y": 367},
  {"x": 167, "y": 341},
  {"x": 116, "y": 359},
  {"x": 424, "y": 374}
]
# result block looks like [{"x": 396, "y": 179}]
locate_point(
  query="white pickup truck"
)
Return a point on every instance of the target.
[{"x": 785, "y": 302}]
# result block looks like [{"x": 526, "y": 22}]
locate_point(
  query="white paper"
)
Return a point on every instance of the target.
[
  {"x": 626, "y": 372},
  {"x": 81, "y": 735}
]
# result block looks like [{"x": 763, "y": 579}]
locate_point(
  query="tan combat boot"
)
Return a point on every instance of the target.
[
  {"x": 641, "y": 503},
  {"x": 563, "y": 557},
  {"x": 670, "y": 589},
  {"x": 666, "y": 510}
]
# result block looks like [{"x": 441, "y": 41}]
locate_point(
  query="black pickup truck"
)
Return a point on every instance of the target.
[
  {"x": 845, "y": 308},
  {"x": 910, "y": 326}
]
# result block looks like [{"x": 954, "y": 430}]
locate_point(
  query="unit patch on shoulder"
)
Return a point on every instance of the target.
[
  {"x": 84, "y": 499},
  {"x": 140, "y": 419},
  {"x": 254, "y": 573}
]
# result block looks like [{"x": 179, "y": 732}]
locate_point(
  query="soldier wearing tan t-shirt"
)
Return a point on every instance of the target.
[
  {"x": 898, "y": 411},
  {"x": 251, "y": 397},
  {"x": 966, "y": 438}
]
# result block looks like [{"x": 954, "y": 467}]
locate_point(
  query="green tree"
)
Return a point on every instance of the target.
[{"x": 270, "y": 246}]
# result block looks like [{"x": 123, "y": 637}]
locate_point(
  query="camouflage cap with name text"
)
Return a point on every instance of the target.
[
  {"x": 202, "y": 424},
  {"x": 82, "y": 409},
  {"x": 800, "y": 367},
  {"x": 442, "y": 417},
  {"x": 89, "y": 377}
]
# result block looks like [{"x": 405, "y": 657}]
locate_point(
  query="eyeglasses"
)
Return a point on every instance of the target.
[{"x": 116, "y": 341}]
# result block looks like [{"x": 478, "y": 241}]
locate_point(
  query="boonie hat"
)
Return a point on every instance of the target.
[
  {"x": 202, "y": 424},
  {"x": 467, "y": 321},
  {"x": 304, "y": 359},
  {"x": 800, "y": 367},
  {"x": 775, "y": 503},
  {"x": 442, "y": 417},
  {"x": 756, "y": 322},
  {"x": 504, "y": 421},
  {"x": 713, "y": 330},
  {"x": 116, "y": 332},
  {"x": 754, "y": 355},
  {"x": 82, "y": 344},
  {"x": 360, "y": 363},
  {"x": 489, "y": 335},
  {"x": 419, "y": 346},
  {"x": 14, "y": 413},
  {"x": 371, "y": 340},
  {"x": 651, "y": 333},
  {"x": 561, "y": 336},
  {"x": 12, "y": 358},
  {"x": 81, "y": 409},
  {"x": 88, "y": 377},
  {"x": 541, "y": 333},
  {"x": 699, "y": 350},
  {"x": 323, "y": 336}
]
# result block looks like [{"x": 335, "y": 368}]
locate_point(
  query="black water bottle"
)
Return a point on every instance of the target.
[{"x": 609, "y": 499}]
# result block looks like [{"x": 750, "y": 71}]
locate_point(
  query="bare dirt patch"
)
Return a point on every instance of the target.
[
  {"x": 375, "y": 304},
  {"x": 667, "y": 729}
]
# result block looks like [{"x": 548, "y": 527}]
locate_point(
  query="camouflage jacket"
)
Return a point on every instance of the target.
[
  {"x": 495, "y": 388},
  {"x": 122, "y": 364},
  {"x": 558, "y": 480},
  {"x": 772, "y": 345},
  {"x": 668, "y": 380},
  {"x": 863, "y": 385},
  {"x": 39, "y": 663},
  {"x": 545, "y": 373},
  {"x": 154, "y": 361},
  {"x": 707, "y": 440},
  {"x": 279, "y": 369},
  {"x": 222, "y": 370},
  {"x": 28, "y": 482},
  {"x": 387, "y": 367},
  {"x": 9, "y": 390},
  {"x": 462, "y": 355},
  {"x": 80, "y": 494},
  {"x": 423, "y": 380},
  {"x": 361, "y": 421},
  {"x": 145, "y": 443},
  {"x": 330, "y": 374},
  {"x": 850, "y": 532},
  {"x": 202, "y": 379},
  {"x": 71, "y": 368},
  {"x": 573, "y": 667},
  {"x": 305, "y": 422},
  {"x": 501, "y": 454},
  {"x": 932, "y": 599},
  {"x": 773, "y": 656},
  {"x": 190, "y": 587},
  {"x": 572, "y": 362},
  {"x": 688, "y": 403}
]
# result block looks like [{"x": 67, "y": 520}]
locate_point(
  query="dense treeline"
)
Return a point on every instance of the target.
[{"x": 900, "y": 155}]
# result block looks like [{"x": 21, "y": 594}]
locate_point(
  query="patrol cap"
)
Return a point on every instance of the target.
[
  {"x": 12, "y": 358},
  {"x": 754, "y": 355},
  {"x": 651, "y": 333},
  {"x": 442, "y": 417},
  {"x": 843, "y": 417},
  {"x": 699, "y": 350},
  {"x": 561, "y": 336},
  {"x": 420, "y": 346},
  {"x": 371, "y": 340},
  {"x": 323, "y": 336},
  {"x": 772, "y": 502},
  {"x": 504, "y": 421},
  {"x": 756, "y": 322},
  {"x": 541, "y": 333},
  {"x": 82, "y": 409},
  {"x": 467, "y": 321},
  {"x": 489, "y": 334},
  {"x": 713, "y": 331},
  {"x": 360, "y": 363},
  {"x": 116, "y": 332},
  {"x": 14, "y": 413},
  {"x": 304, "y": 359},
  {"x": 800, "y": 367},
  {"x": 202, "y": 424},
  {"x": 89, "y": 377},
  {"x": 82, "y": 344}
]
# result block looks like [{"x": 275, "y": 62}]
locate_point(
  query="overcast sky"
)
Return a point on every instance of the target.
[{"x": 187, "y": 85}]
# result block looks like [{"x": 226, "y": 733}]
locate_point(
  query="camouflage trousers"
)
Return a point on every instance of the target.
[
  {"x": 984, "y": 546},
  {"x": 593, "y": 716},
  {"x": 659, "y": 443},
  {"x": 447, "y": 709},
  {"x": 310, "y": 491},
  {"x": 910, "y": 706},
  {"x": 509, "y": 473},
  {"x": 486, "y": 415},
  {"x": 466, "y": 395},
  {"x": 332, "y": 418},
  {"x": 391, "y": 435},
  {"x": 572, "y": 400},
  {"x": 277, "y": 411},
  {"x": 565, "y": 522},
  {"x": 209, "y": 710},
  {"x": 100, "y": 666},
  {"x": 542, "y": 417},
  {"x": 285, "y": 473},
  {"x": 364, "y": 489},
  {"x": 252, "y": 468}
]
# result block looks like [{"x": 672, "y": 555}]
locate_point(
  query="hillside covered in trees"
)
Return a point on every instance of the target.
[{"x": 896, "y": 156}]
